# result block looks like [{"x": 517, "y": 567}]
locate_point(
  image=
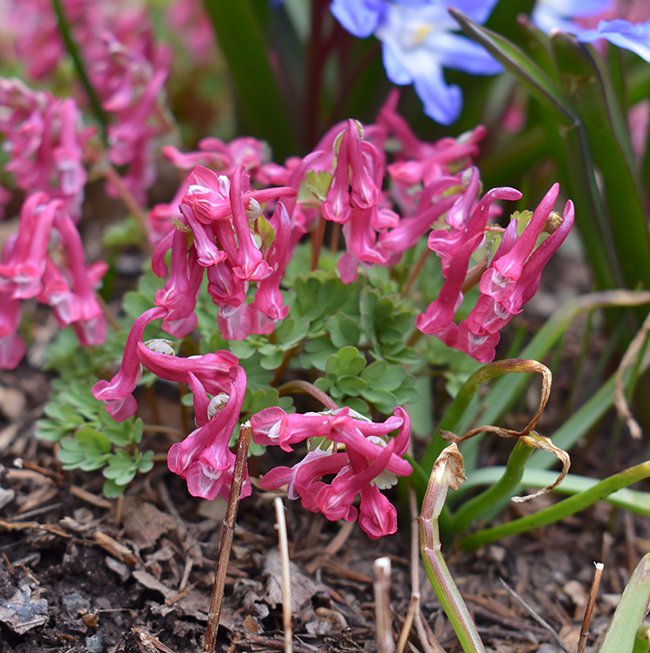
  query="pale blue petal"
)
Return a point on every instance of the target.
[
  {"x": 633, "y": 37},
  {"x": 560, "y": 14},
  {"x": 441, "y": 101},
  {"x": 359, "y": 17},
  {"x": 455, "y": 51},
  {"x": 395, "y": 69},
  {"x": 477, "y": 10}
]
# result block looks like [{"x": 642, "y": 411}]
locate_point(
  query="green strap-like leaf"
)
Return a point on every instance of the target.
[
  {"x": 586, "y": 84},
  {"x": 260, "y": 101}
]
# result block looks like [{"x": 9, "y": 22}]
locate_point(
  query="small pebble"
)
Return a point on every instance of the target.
[
  {"x": 95, "y": 643},
  {"x": 75, "y": 602}
]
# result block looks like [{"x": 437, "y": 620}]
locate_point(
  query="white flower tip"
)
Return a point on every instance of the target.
[
  {"x": 217, "y": 403},
  {"x": 160, "y": 346}
]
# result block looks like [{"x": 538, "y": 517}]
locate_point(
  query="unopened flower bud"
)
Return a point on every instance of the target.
[
  {"x": 553, "y": 221},
  {"x": 254, "y": 210},
  {"x": 160, "y": 346},
  {"x": 217, "y": 403}
]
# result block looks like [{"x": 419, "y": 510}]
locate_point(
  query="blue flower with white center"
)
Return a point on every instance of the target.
[{"x": 419, "y": 40}]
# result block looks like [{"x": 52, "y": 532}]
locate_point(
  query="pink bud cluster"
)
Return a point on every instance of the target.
[
  {"x": 45, "y": 260},
  {"x": 126, "y": 67},
  {"x": 44, "y": 140},
  {"x": 354, "y": 450}
]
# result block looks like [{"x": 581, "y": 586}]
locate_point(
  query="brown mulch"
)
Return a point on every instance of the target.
[{"x": 79, "y": 573}]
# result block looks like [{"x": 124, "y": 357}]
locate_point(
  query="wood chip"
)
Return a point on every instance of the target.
[
  {"x": 152, "y": 583},
  {"x": 114, "y": 548},
  {"x": 32, "y": 525},
  {"x": 144, "y": 523}
]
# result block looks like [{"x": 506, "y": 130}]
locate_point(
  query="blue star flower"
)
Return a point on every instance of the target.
[
  {"x": 631, "y": 36},
  {"x": 419, "y": 40},
  {"x": 561, "y": 14}
]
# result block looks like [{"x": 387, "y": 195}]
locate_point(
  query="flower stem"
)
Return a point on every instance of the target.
[
  {"x": 80, "y": 68},
  {"x": 297, "y": 385},
  {"x": 447, "y": 472},
  {"x": 473, "y": 276},
  {"x": 127, "y": 197},
  {"x": 415, "y": 272},
  {"x": 317, "y": 243},
  {"x": 227, "y": 533}
]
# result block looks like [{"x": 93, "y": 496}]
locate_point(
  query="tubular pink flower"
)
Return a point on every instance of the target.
[
  {"x": 251, "y": 265},
  {"x": 268, "y": 297},
  {"x": 433, "y": 203},
  {"x": 457, "y": 248},
  {"x": 508, "y": 268},
  {"x": 377, "y": 515},
  {"x": 23, "y": 262},
  {"x": 359, "y": 455},
  {"x": 45, "y": 140},
  {"x": 117, "y": 393},
  {"x": 181, "y": 290},
  {"x": 214, "y": 371},
  {"x": 203, "y": 457},
  {"x": 89, "y": 324}
]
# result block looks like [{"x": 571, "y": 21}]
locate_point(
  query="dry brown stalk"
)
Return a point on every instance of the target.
[
  {"x": 381, "y": 585},
  {"x": 227, "y": 533},
  {"x": 283, "y": 544},
  {"x": 591, "y": 602}
]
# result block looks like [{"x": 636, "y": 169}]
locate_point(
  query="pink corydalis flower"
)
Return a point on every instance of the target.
[
  {"x": 45, "y": 140},
  {"x": 235, "y": 244},
  {"x": 358, "y": 452},
  {"x": 203, "y": 458},
  {"x": 455, "y": 247},
  {"x": 214, "y": 370},
  {"x": 125, "y": 65},
  {"x": 45, "y": 260},
  {"x": 510, "y": 280}
]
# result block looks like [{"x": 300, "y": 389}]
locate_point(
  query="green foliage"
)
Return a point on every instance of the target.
[
  {"x": 349, "y": 381},
  {"x": 89, "y": 438}
]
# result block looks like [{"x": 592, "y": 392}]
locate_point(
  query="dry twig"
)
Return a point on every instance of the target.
[
  {"x": 227, "y": 533},
  {"x": 589, "y": 610},
  {"x": 286, "y": 577},
  {"x": 627, "y": 361},
  {"x": 385, "y": 642}
]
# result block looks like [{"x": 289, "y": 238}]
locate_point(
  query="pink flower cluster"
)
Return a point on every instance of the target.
[
  {"x": 126, "y": 67},
  {"x": 236, "y": 220},
  {"x": 511, "y": 278},
  {"x": 45, "y": 260},
  {"x": 44, "y": 140},
  {"x": 357, "y": 452},
  {"x": 223, "y": 232},
  {"x": 431, "y": 185},
  {"x": 218, "y": 384}
]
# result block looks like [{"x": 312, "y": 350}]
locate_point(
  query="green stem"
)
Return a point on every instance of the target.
[
  {"x": 560, "y": 510},
  {"x": 635, "y": 501},
  {"x": 482, "y": 506},
  {"x": 444, "y": 475},
  {"x": 80, "y": 68}
]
